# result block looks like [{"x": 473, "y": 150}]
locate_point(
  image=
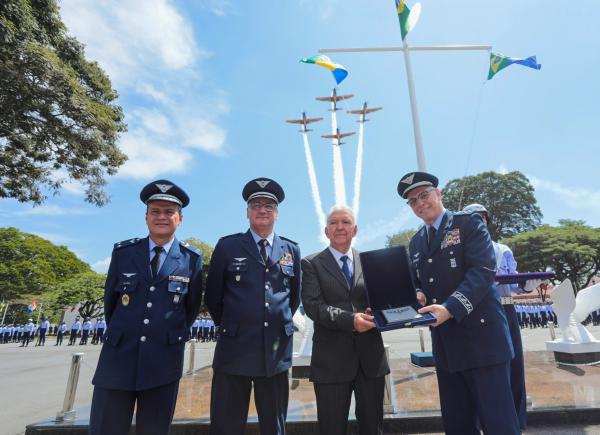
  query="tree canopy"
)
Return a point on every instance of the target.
[
  {"x": 58, "y": 109},
  {"x": 400, "y": 238},
  {"x": 571, "y": 250},
  {"x": 84, "y": 291},
  {"x": 31, "y": 265},
  {"x": 509, "y": 198}
]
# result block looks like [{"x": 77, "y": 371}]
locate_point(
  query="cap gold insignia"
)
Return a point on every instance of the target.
[
  {"x": 164, "y": 187},
  {"x": 125, "y": 299},
  {"x": 262, "y": 183},
  {"x": 409, "y": 179}
]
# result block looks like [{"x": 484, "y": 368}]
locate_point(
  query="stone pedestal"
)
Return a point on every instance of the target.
[{"x": 574, "y": 353}]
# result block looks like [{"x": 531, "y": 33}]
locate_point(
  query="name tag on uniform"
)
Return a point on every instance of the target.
[{"x": 179, "y": 278}]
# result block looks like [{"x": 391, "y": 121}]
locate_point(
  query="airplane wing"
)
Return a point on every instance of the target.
[
  {"x": 373, "y": 109},
  {"x": 341, "y": 135},
  {"x": 309, "y": 120},
  {"x": 356, "y": 112},
  {"x": 295, "y": 121},
  {"x": 324, "y": 98},
  {"x": 330, "y": 136},
  {"x": 344, "y": 97}
]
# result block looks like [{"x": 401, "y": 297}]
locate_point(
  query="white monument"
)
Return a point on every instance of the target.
[{"x": 576, "y": 344}]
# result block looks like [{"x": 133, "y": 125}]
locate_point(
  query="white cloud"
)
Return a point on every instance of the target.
[
  {"x": 149, "y": 50},
  {"x": 574, "y": 197},
  {"x": 149, "y": 158},
  {"x": 51, "y": 210},
  {"x": 57, "y": 239},
  {"x": 101, "y": 266},
  {"x": 69, "y": 185},
  {"x": 385, "y": 227},
  {"x": 502, "y": 169},
  {"x": 218, "y": 7}
]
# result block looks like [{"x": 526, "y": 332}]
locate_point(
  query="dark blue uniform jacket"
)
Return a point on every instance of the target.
[
  {"x": 458, "y": 271},
  {"x": 148, "y": 318},
  {"x": 253, "y": 304}
]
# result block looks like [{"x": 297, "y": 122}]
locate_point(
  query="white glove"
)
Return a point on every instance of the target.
[{"x": 532, "y": 284}]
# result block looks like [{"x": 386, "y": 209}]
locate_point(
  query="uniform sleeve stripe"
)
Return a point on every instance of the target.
[{"x": 464, "y": 301}]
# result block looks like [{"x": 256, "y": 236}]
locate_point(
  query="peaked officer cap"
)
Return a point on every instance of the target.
[
  {"x": 164, "y": 190},
  {"x": 263, "y": 188},
  {"x": 477, "y": 208},
  {"x": 412, "y": 180}
]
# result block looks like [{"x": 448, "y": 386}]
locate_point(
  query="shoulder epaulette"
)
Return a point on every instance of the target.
[
  {"x": 231, "y": 235},
  {"x": 288, "y": 240},
  {"x": 125, "y": 243},
  {"x": 190, "y": 248}
]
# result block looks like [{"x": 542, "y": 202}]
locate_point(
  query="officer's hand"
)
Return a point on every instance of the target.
[
  {"x": 363, "y": 322},
  {"x": 440, "y": 312},
  {"x": 421, "y": 298}
]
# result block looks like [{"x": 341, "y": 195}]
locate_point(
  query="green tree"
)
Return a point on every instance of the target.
[
  {"x": 571, "y": 250},
  {"x": 207, "y": 252},
  {"x": 31, "y": 265},
  {"x": 85, "y": 290},
  {"x": 509, "y": 198},
  {"x": 58, "y": 110},
  {"x": 400, "y": 238}
]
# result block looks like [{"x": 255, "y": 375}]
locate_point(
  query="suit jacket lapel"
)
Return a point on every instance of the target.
[
  {"x": 172, "y": 262},
  {"x": 277, "y": 251},
  {"x": 251, "y": 247},
  {"x": 357, "y": 267},
  {"x": 142, "y": 258},
  {"x": 333, "y": 268},
  {"x": 439, "y": 235}
]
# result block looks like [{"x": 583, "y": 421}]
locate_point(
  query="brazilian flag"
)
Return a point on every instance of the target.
[
  {"x": 499, "y": 62},
  {"x": 408, "y": 18}
]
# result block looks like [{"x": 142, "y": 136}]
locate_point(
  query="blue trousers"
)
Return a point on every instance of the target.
[
  {"x": 480, "y": 396},
  {"x": 112, "y": 410},
  {"x": 517, "y": 366},
  {"x": 230, "y": 397}
]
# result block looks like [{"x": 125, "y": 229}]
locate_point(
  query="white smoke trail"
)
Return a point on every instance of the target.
[
  {"x": 314, "y": 187},
  {"x": 358, "y": 171},
  {"x": 338, "y": 168}
]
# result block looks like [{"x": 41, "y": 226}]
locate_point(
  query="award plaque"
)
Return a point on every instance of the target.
[{"x": 390, "y": 289}]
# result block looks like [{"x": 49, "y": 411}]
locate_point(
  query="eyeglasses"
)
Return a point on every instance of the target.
[
  {"x": 421, "y": 196},
  {"x": 170, "y": 212},
  {"x": 270, "y": 207}
]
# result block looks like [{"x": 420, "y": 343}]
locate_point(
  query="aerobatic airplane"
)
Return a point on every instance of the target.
[
  {"x": 362, "y": 112},
  {"x": 338, "y": 136},
  {"x": 335, "y": 98},
  {"x": 304, "y": 121}
]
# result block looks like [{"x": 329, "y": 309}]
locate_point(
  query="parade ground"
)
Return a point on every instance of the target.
[{"x": 34, "y": 380}]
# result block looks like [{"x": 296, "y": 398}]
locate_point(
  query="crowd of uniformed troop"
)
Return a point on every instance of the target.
[
  {"x": 203, "y": 329},
  {"x": 535, "y": 314},
  {"x": 257, "y": 281}
]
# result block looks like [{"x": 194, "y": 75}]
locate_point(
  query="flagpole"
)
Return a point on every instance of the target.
[
  {"x": 5, "y": 311},
  {"x": 39, "y": 314},
  {"x": 415, "y": 112}
]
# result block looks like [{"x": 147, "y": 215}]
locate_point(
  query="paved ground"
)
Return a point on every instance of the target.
[{"x": 33, "y": 380}]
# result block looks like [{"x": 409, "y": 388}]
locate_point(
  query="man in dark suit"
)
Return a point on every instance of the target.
[
  {"x": 152, "y": 295},
  {"x": 252, "y": 292},
  {"x": 347, "y": 354},
  {"x": 454, "y": 269}
]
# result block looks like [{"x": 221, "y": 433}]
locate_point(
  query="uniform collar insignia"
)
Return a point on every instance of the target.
[
  {"x": 129, "y": 275},
  {"x": 262, "y": 183},
  {"x": 409, "y": 179},
  {"x": 240, "y": 259},
  {"x": 164, "y": 187}
]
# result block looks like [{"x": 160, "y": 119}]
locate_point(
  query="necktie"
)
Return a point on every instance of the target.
[
  {"x": 155, "y": 260},
  {"x": 430, "y": 235},
  {"x": 346, "y": 269},
  {"x": 263, "y": 250}
]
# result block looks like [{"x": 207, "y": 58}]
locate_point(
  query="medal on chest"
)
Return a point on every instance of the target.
[{"x": 125, "y": 299}]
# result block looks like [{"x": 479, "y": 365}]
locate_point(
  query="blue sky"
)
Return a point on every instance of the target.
[{"x": 207, "y": 84}]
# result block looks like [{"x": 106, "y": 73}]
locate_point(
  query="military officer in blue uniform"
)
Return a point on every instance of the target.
[
  {"x": 152, "y": 295},
  {"x": 252, "y": 292},
  {"x": 454, "y": 266},
  {"x": 506, "y": 264}
]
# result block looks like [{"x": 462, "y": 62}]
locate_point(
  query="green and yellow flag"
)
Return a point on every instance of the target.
[{"x": 408, "y": 18}]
